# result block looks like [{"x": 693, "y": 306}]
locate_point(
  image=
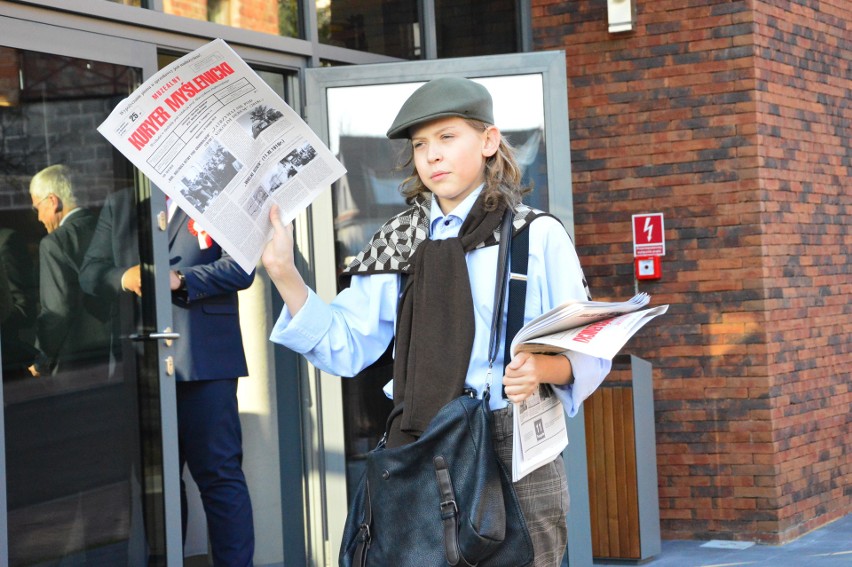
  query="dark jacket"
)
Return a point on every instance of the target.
[
  {"x": 210, "y": 344},
  {"x": 72, "y": 326},
  {"x": 17, "y": 329}
]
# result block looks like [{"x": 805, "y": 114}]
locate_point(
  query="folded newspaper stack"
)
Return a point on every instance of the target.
[{"x": 597, "y": 328}]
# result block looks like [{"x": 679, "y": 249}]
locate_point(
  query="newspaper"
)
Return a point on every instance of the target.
[
  {"x": 597, "y": 328},
  {"x": 213, "y": 136},
  {"x": 539, "y": 432}
]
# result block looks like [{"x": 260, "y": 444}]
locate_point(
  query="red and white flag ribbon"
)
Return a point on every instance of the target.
[{"x": 204, "y": 239}]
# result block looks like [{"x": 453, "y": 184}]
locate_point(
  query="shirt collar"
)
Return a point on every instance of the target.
[
  {"x": 461, "y": 211},
  {"x": 68, "y": 214}
]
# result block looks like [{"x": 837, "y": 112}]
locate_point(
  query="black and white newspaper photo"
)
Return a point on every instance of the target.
[{"x": 215, "y": 138}]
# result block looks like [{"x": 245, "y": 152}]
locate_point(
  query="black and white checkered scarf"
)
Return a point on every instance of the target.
[{"x": 393, "y": 245}]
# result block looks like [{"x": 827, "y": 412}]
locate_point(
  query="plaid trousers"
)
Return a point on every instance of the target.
[{"x": 543, "y": 495}]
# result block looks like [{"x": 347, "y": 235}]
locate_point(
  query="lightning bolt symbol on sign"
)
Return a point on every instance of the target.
[{"x": 649, "y": 229}]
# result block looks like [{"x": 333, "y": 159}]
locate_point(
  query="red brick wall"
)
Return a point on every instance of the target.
[
  {"x": 804, "y": 95},
  {"x": 732, "y": 118}
]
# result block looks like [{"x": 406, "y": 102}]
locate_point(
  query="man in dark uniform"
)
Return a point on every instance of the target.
[{"x": 208, "y": 356}]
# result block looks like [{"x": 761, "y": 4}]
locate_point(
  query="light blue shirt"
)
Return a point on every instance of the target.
[{"x": 346, "y": 336}]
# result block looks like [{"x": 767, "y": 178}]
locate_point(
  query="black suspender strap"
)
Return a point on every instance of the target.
[
  {"x": 500, "y": 287},
  {"x": 517, "y": 289}
]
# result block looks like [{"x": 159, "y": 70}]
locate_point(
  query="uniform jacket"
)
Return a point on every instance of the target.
[{"x": 210, "y": 344}]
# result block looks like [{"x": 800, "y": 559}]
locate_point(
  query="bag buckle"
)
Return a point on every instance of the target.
[
  {"x": 449, "y": 509},
  {"x": 364, "y": 533}
]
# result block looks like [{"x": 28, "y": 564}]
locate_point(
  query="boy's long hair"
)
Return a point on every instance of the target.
[{"x": 502, "y": 175}]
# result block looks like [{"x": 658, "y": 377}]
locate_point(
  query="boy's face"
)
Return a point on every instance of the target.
[{"x": 450, "y": 155}]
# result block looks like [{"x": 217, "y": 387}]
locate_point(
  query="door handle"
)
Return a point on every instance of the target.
[{"x": 166, "y": 334}]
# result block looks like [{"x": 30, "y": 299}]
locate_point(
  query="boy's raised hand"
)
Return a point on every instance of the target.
[
  {"x": 277, "y": 256},
  {"x": 279, "y": 260}
]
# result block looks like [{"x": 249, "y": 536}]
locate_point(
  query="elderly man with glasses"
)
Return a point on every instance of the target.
[{"x": 70, "y": 330}]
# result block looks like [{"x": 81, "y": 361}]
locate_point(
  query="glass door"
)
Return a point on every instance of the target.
[
  {"x": 88, "y": 409},
  {"x": 351, "y": 108}
]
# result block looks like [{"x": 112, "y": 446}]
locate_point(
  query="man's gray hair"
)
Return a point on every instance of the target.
[{"x": 56, "y": 180}]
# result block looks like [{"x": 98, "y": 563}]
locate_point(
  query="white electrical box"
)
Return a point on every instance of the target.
[{"x": 621, "y": 15}]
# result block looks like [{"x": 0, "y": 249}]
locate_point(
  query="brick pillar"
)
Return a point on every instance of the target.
[{"x": 733, "y": 119}]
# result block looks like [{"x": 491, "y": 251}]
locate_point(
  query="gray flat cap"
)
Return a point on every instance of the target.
[{"x": 439, "y": 98}]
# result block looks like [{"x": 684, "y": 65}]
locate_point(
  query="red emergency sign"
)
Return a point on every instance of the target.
[{"x": 648, "y": 235}]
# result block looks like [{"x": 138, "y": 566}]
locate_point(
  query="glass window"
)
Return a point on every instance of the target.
[
  {"x": 80, "y": 408},
  {"x": 388, "y": 27},
  {"x": 478, "y": 27},
  {"x": 278, "y": 17}
]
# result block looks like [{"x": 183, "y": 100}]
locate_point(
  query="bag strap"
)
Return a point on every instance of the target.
[
  {"x": 517, "y": 291},
  {"x": 500, "y": 290},
  {"x": 450, "y": 514},
  {"x": 365, "y": 538}
]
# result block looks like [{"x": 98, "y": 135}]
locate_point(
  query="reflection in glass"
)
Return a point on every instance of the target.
[
  {"x": 390, "y": 27},
  {"x": 368, "y": 195},
  {"x": 74, "y": 460},
  {"x": 277, "y": 17},
  {"x": 71, "y": 330}
]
